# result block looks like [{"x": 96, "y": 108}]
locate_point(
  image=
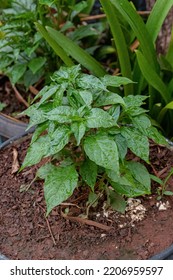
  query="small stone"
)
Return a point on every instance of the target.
[{"x": 162, "y": 205}]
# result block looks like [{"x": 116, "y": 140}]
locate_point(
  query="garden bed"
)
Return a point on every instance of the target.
[{"x": 25, "y": 233}]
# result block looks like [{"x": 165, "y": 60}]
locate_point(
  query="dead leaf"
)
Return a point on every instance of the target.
[{"x": 15, "y": 164}]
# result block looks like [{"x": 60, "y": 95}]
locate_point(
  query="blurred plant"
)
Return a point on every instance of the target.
[
  {"x": 153, "y": 74},
  {"x": 2, "y": 106},
  {"x": 25, "y": 56},
  {"x": 137, "y": 59}
]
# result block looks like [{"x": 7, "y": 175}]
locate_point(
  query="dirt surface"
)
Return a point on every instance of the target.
[
  {"x": 25, "y": 232},
  {"x": 7, "y": 96}
]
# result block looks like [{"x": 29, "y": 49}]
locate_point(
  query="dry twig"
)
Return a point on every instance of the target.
[
  {"x": 48, "y": 225},
  {"x": 86, "y": 221},
  {"x": 19, "y": 97}
]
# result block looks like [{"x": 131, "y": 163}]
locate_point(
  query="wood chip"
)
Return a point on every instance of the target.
[{"x": 15, "y": 164}]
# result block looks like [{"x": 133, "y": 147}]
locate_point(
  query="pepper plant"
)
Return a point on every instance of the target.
[{"x": 85, "y": 130}]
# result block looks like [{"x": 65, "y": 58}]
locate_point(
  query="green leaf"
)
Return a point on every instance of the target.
[
  {"x": 36, "y": 151},
  {"x": 41, "y": 92},
  {"x": 154, "y": 22},
  {"x": 121, "y": 145},
  {"x": 169, "y": 55},
  {"x": 16, "y": 72},
  {"x": 133, "y": 104},
  {"x": 44, "y": 170},
  {"x": 140, "y": 173},
  {"x": 152, "y": 77},
  {"x": 156, "y": 179},
  {"x": 59, "y": 185},
  {"x": 153, "y": 133},
  {"x": 36, "y": 63},
  {"x": 54, "y": 45},
  {"x": 78, "y": 128},
  {"x": 93, "y": 199},
  {"x": 115, "y": 81},
  {"x": 84, "y": 96},
  {"x": 47, "y": 93},
  {"x": 168, "y": 193},
  {"x": 116, "y": 201},
  {"x": 5, "y": 61},
  {"x": 90, "y": 82},
  {"x": 120, "y": 42},
  {"x": 59, "y": 138},
  {"x": 66, "y": 75},
  {"x": 83, "y": 31},
  {"x": 46, "y": 2},
  {"x": 2, "y": 106},
  {"x": 80, "y": 55},
  {"x": 102, "y": 150},
  {"x": 40, "y": 128},
  {"x": 138, "y": 26},
  {"x": 134, "y": 100},
  {"x": 99, "y": 118},
  {"x": 88, "y": 9},
  {"x": 88, "y": 171},
  {"x": 29, "y": 78},
  {"x": 109, "y": 98},
  {"x": 164, "y": 110},
  {"x": 77, "y": 8},
  {"x": 61, "y": 114},
  {"x": 122, "y": 178},
  {"x": 141, "y": 122},
  {"x": 115, "y": 111},
  {"x": 131, "y": 190},
  {"x": 134, "y": 111},
  {"x": 36, "y": 115},
  {"x": 136, "y": 142},
  {"x": 130, "y": 183}
]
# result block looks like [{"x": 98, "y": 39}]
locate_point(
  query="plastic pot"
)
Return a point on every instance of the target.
[
  {"x": 11, "y": 129},
  {"x": 166, "y": 254}
]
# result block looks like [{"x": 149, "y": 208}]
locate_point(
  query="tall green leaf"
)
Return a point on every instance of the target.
[
  {"x": 80, "y": 55},
  {"x": 169, "y": 54},
  {"x": 152, "y": 77},
  {"x": 164, "y": 110},
  {"x": 120, "y": 42},
  {"x": 140, "y": 30},
  {"x": 55, "y": 46},
  {"x": 157, "y": 17}
]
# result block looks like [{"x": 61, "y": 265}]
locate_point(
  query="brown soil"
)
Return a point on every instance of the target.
[
  {"x": 7, "y": 96},
  {"x": 25, "y": 233}
]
